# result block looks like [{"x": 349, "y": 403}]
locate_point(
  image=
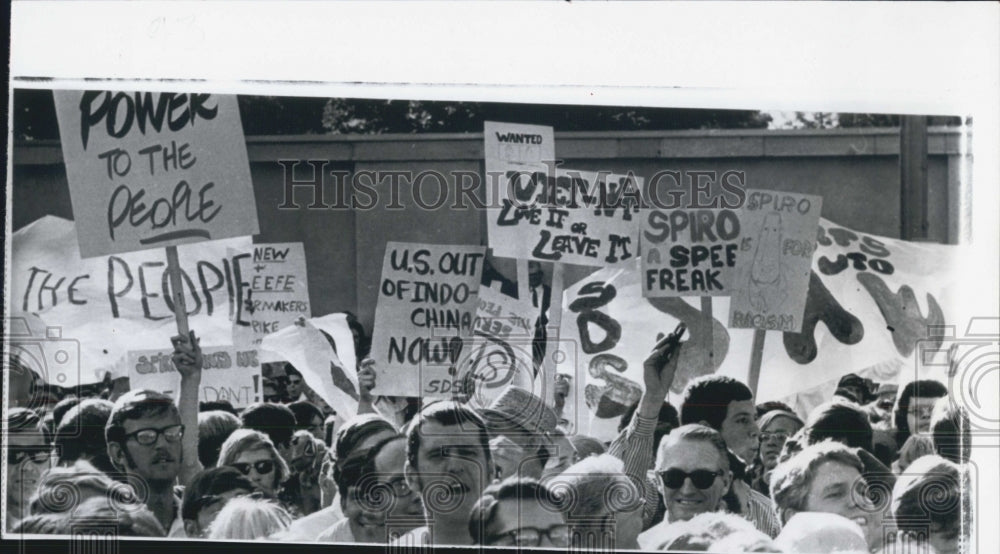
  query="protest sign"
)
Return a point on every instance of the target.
[
  {"x": 554, "y": 214},
  {"x": 275, "y": 290},
  {"x": 227, "y": 374},
  {"x": 426, "y": 303},
  {"x": 772, "y": 265},
  {"x": 689, "y": 252},
  {"x": 154, "y": 169},
  {"x": 500, "y": 351},
  {"x": 874, "y": 307},
  {"x": 311, "y": 352},
  {"x": 110, "y": 305}
]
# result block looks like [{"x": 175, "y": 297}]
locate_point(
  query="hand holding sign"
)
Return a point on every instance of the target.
[
  {"x": 187, "y": 355},
  {"x": 366, "y": 378},
  {"x": 658, "y": 372}
]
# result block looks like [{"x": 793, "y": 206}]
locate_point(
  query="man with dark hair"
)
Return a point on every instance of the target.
[
  {"x": 726, "y": 405},
  {"x": 207, "y": 494},
  {"x": 80, "y": 434},
  {"x": 448, "y": 464},
  {"x": 295, "y": 386},
  {"x": 154, "y": 442},
  {"x": 276, "y": 421},
  {"x": 845, "y": 422},
  {"x": 308, "y": 417},
  {"x": 518, "y": 512}
]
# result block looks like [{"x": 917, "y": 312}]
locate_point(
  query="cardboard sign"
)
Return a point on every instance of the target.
[
  {"x": 426, "y": 303},
  {"x": 555, "y": 214},
  {"x": 110, "y": 305},
  {"x": 689, "y": 252},
  {"x": 149, "y": 170},
  {"x": 874, "y": 306},
  {"x": 227, "y": 374},
  {"x": 312, "y": 353},
  {"x": 500, "y": 351},
  {"x": 275, "y": 290},
  {"x": 774, "y": 260}
]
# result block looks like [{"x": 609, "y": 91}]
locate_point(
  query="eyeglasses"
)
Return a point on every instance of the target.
[
  {"x": 701, "y": 478},
  {"x": 558, "y": 535},
  {"x": 779, "y": 436},
  {"x": 262, "y": 467},
  {"x": 17, "y": 455},
  {"x": 147, "y": 437}
]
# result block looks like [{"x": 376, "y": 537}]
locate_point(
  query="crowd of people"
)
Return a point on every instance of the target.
[{"x": 874, "y": 469}]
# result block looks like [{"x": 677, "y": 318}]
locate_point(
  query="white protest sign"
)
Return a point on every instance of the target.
[
  {"x": 874, "y": 305},
  {"x": 555, "y": 214},
  {"x": 110, "y": 305},
  {"x": 426, "y": 303},
  {"x": 689, "y": 252},
  {"x": 774, "y": 260},
  {"x": 152, "y": 169},
  {"x": 500, "y": 351},
  {"x": 275, "y": 290},
  {"x": 227, "y": 374},
  {"x": 311, "y": 352}
]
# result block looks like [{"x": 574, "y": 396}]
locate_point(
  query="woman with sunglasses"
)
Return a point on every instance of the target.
[
  {"x": 27, "y": 458},
  {"x": 254, "y": 455}
]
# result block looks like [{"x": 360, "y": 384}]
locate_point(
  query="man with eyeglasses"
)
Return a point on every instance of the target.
[
  {"x": 518, "y": 512},
  {"x": 155, "y": 442},
  {"x": 27, "y": 459},
  {"x": 693, "y": 475}
]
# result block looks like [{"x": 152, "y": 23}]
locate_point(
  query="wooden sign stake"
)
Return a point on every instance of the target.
[
  {"x": 756, "y": 356},
  {"x": 177, "y": 291}
]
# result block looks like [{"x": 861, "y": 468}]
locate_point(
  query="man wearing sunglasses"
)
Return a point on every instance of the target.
[
  {"x": 693, "y": 475},
  {"x": 518, "y": 512},
  {"x": 154, "y": 442}
]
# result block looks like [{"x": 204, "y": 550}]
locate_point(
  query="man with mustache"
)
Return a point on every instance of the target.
[
  {"x": 448, "y": 464},
  {"x": 154, "y": 442}
]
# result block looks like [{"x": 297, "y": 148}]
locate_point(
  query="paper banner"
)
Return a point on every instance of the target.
[
  {"x": 227, "y": 374},
  {"x": 274, "y": 288},
  {"x": 426, "y": 303},
  {"x": 110, "y": 305},
  {"x": 772, "y": 266},
  {"x": 876, "y": 306},
  {"x": 310, "y": 351}
]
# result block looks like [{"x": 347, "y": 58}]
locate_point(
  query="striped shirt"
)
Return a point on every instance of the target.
[{"x": 634, "y": 447}]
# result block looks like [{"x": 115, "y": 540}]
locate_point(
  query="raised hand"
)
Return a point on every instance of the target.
[
  {"x": 659, "y": 368},
  {"x": 187, "y": 355}
]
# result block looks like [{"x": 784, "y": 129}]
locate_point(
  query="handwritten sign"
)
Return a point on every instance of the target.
[
  {"x": 551, "y": 214},
  {"x": 774, "y": 260},
  {"x": 152, "y": 169},
  {"x": 275, "y": 289},
  {"x": 426, "y": 303},
  {"x": 689, "y": 252},
  {"x": 114, "y": 304},
  {"x": 227, "y": 374},
  {"x": 500, "y": 351}
]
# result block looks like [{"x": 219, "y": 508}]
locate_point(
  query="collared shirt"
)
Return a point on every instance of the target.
[{"x": 634, "y": 447}]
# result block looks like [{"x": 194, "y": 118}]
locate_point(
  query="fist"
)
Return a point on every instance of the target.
[
  {"x": 366, "y": 376},
  {"x": 187, "y": 356}
]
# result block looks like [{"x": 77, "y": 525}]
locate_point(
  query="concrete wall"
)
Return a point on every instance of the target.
[{"x": 856, "y": 171}]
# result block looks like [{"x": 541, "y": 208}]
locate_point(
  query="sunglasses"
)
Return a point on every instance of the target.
[
  {"x": 148, "y": 437},
  {"x": 17, "y": 455},
  {"x": 701, "y": 478},
  {"x": 262, "y": 467},
  {"x": 532, "y": 537}
]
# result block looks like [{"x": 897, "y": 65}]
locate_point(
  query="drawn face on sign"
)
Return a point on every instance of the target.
[{"x": 766, "y": 262}]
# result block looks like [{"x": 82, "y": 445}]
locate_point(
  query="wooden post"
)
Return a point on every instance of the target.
[
  {"x": 913, "y": 178},
  {"x": 177, "y": 291},
  {"x": 756, "y": 356},
  {"x": 552, "y": 333},
  {"x": 706, "y": 312}
]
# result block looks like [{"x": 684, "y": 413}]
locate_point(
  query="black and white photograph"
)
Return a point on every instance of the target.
[{"x": 284, "y": 307}]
